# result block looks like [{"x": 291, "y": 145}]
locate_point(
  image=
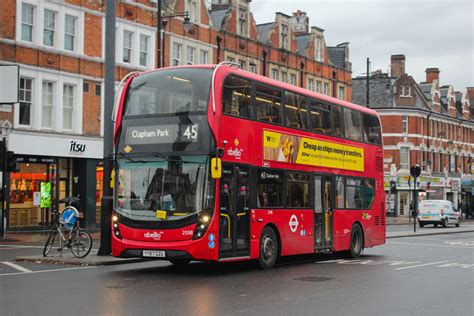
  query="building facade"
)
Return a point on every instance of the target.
[
  {"x": 60, "y": 48},
  {"x": 422, "y": 123}
]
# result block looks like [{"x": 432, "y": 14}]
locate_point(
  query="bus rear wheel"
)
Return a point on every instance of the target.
[
  {"x": 268, "y": 248},
  {"x": 356, "y": 242}
]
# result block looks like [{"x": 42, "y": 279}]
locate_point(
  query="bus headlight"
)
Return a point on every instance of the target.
[
  {"x": 201, "y": 226},
  {"x": 116, "y": 227}
]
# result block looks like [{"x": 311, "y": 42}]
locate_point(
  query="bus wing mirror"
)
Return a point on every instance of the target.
[{"x": 216, "y": 168}]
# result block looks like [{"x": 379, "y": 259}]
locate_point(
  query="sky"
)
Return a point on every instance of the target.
[{"x": 430, "y": 33}]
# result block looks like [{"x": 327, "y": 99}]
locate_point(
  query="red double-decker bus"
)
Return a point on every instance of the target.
[{"x": 216, "y": 163}]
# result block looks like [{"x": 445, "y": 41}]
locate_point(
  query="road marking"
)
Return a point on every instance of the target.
[
  {"x": 42, "y": 271},
  {"x": 16, "y": 267},
  {"x": 19, "y": 246},
  {"x": 417, "y": 244},
  {"x": 421, "y": 265}
]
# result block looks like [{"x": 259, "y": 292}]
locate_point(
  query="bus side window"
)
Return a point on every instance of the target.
[
  {"x": 320, "y": 116},
  {"x": 236, "y": 98},
  {"x": 372, "y": 129},
  {"x": 296, "y": 110},
  {"x": 353, "y": 125},
  {"x": 268, "y": 104},
  {"x": 337, "y": 120},
  {"x": 340, "y": 192},
  {"x": 270, "y": 185}
]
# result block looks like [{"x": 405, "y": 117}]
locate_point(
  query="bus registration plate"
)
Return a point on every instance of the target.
[{"x": 154, "y": 253}]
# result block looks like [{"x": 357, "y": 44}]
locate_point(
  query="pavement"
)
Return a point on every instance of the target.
[{"x": 37, "y": 240}]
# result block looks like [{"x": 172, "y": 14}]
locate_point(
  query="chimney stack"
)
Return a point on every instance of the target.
[
  {"x": 397, "y": 65},
  {"x": 299, "y": 23},
  {"x": 432, "y": 74}
]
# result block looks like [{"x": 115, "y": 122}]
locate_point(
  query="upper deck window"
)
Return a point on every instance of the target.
[
  {"x": 236, "y": 98},
  {"x": 353, "y": 125},
  {"x": 372, "y": 129},
  {"x": 173, "y": 91},
  {"x": 320, "y": 117},
  {"x": 296, "y": 110},
  {"x": 268, "y": 104}
]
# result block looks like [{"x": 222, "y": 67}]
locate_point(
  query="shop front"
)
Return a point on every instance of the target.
[{"x": 53, "y": 167}]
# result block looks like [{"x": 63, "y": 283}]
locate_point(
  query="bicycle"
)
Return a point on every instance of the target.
[{"x": 80, "y": 242}]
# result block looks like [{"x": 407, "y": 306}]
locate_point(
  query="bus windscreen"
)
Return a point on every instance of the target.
[{"x": 165, "y": 92}]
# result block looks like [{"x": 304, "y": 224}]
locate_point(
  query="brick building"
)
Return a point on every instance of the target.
[
  {"x": 423, "y": 123},
  {"x": 59, "y": 46}
]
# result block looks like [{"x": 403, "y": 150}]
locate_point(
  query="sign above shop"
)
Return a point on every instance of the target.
[{"x": 54, "y": 145}]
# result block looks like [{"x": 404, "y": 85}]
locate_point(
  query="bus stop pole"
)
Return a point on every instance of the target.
[{"x": 109, "y": 92}]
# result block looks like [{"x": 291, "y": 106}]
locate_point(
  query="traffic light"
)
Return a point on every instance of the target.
[{"x": 12, "y": 165}]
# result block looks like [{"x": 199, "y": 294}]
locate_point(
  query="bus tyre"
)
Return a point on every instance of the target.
[
  {"x": 356, "y": 243},
  {"x": 268, "y": 248},
  {"x": 180, "y": 262},
  {"x": 421, "y": 225},
  {"x": 458, "y": 223}
]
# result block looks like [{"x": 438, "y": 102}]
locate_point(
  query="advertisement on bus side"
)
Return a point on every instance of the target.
[{"x": 313, "y": 152}]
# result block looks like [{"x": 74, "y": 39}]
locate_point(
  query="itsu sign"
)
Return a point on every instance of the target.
[{"x": 76, "y": 147}]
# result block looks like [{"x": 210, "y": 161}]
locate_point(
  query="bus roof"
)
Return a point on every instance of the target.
[{"x": 280, "y": 84}]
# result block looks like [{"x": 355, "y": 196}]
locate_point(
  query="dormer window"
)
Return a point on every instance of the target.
[
  {"x": 243, "y": 18},
  {"x": 193, "y": 10},
  {"x": 319, "y": 49},
  {"x": 284, "y": 36},
  {"x": 405, "y": 91}
]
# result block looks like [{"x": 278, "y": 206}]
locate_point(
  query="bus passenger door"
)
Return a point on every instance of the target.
[
  {"x": 234, "y": 224},
  {"x": 323, "y": 212}
]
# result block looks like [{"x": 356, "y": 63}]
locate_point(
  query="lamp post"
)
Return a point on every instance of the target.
[{"x": 161, "y": 24}]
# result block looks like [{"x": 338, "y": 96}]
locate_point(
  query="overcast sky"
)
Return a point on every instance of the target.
[{"x": 430, "y": 33}]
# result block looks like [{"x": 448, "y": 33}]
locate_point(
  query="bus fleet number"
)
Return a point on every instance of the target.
[{"x": 191, "y": 132}]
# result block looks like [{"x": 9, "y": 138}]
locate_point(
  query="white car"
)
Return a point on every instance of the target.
[{"x": 438, "y": 212}]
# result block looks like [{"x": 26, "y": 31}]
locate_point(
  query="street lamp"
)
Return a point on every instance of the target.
[
  {"x": 187, "y": 27},
  {"x": 161, "y": 25}
]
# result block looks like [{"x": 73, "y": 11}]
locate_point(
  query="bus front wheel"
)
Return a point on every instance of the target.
[
  {"x": 268, "y": 248},
  {"x": 356, "y": 242}
]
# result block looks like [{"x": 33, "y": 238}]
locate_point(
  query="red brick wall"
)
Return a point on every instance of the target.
[
  {"x": 91, "y": 110},
  {"x": 92, "y": 35}
]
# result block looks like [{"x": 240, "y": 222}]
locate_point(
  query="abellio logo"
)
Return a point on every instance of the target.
[
  {"x": 235, "y": 152},
  {"x": 154, "y": 235}
]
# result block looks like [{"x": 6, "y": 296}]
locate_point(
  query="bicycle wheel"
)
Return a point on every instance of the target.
[
  {"x": 49, "y": 243},
  {"x": 81, "y": 244}
]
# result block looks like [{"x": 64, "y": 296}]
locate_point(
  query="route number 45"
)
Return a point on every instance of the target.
[{"x": 191, "y": 132}]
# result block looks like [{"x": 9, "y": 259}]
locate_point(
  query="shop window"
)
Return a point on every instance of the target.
[
  {"x": 31, "y": 195},
  {"x": 237, "y": 97},
  {"x": 320, "y": 117},
  {"x": 296, "y": 110},
  {"x": 268, "y": 104},
  {"x": 270, "y": 186},
  {"x": 298, "y": 190}
]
